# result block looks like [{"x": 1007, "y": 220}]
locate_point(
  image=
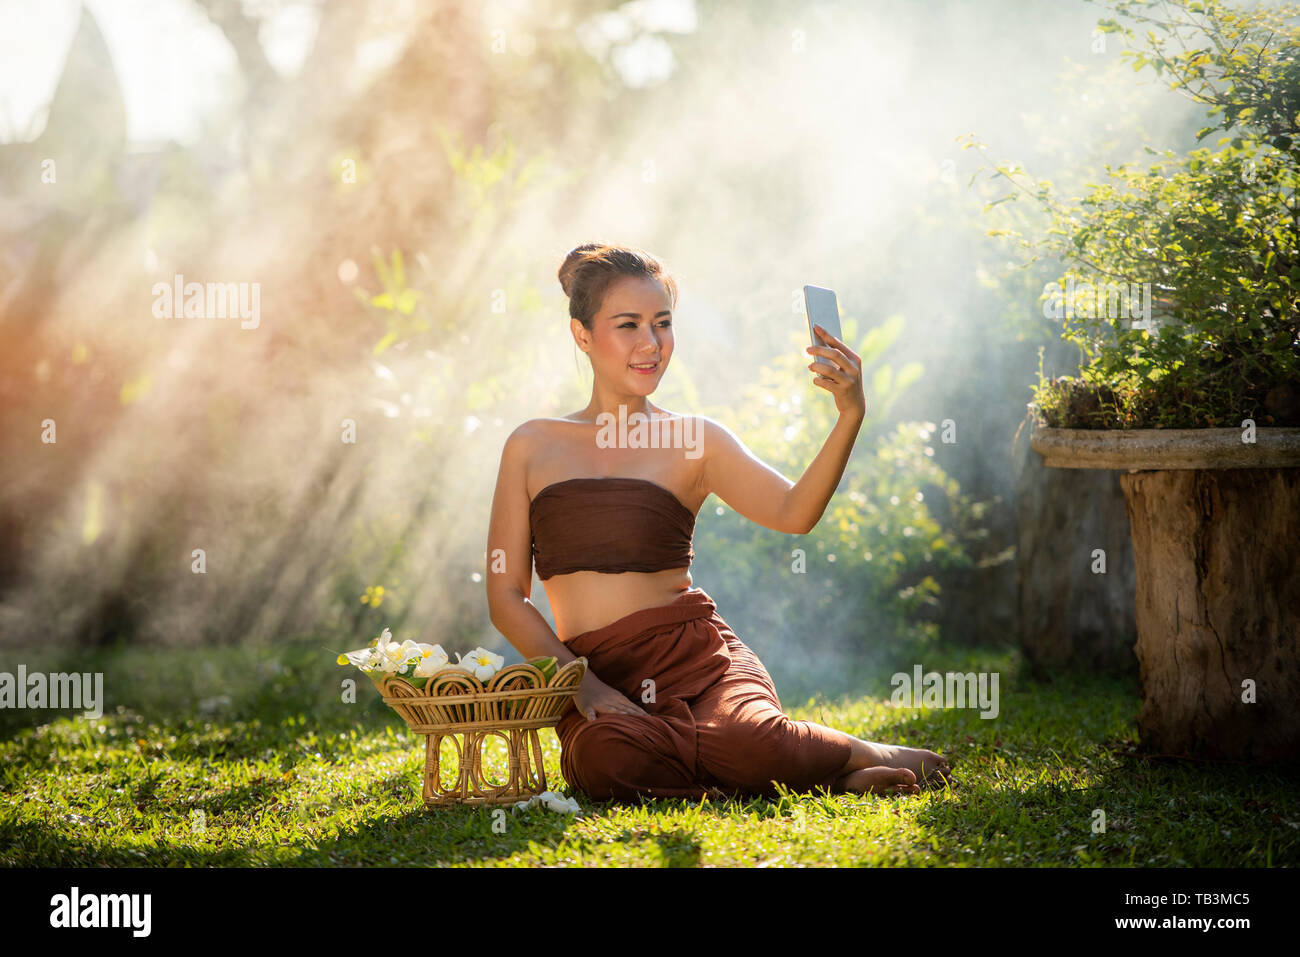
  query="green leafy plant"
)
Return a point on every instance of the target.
[{"x": 1181, "y": 285}]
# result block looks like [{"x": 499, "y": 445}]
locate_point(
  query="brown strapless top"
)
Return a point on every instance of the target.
[{"x": 610, "y": 524}]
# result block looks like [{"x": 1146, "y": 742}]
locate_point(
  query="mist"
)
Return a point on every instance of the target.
[{"x": 399, "y": 200}]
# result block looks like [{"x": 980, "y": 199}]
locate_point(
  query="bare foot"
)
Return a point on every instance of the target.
[
  {"x": 879, "y": 780},
  {"x": 930, "y": 768}
]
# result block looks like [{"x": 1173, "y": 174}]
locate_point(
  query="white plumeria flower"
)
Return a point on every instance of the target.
[
  {"x": 433, "y": 661},
  {"x": 386, "y": 649},
  {"x": 393, "y": 658},
  {"x": 560, "y": 803},
  {"x": 553, "y": 801},
  {"x": 409, "y": 655},
  {"x": 389, "y": 664},
  {"x": 481, "y": 663}
]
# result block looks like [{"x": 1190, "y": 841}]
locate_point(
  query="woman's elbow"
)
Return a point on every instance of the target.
[{"x": 501, "y": 597}]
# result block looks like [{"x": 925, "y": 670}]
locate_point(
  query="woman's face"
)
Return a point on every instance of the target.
[{"x": 631, "y": 335}]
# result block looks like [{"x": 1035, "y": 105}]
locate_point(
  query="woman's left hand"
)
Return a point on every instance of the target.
[{"x": 839, "y": 371}]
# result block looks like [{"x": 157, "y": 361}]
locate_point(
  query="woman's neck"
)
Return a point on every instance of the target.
[{"x": 610, "y": 406}]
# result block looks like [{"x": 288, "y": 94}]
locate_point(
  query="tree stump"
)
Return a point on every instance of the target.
[
  {"x": 1218, "y": 610},
  {"x": 1214, "y": 517},
  {"x": 1069, "y": 618}
]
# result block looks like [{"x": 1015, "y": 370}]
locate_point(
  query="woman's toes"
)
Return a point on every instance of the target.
[
  {"x": 881, "y": 780},
  {"x": 901, "y": 780}
]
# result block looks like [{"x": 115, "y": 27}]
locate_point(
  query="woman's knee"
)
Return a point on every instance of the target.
[
  {"x": 607, "y": 761},
  {"x": 753, "y": 753},
  {"x": 750, "y": 745}
]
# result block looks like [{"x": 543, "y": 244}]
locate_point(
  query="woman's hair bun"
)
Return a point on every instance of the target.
[
  {"x": 589, "y": 270},
  {"x": 572, "y": 261}
]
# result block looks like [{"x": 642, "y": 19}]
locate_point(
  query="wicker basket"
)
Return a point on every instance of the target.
[{"x": 514, "y": 704}]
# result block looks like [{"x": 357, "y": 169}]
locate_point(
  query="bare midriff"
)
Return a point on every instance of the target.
[{"x": 584, "y": 601}]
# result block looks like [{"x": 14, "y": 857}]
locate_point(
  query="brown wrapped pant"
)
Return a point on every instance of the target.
[{"x": 715, "y": 721}]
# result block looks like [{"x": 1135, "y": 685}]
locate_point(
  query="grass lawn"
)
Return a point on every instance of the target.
[{"x": 247, "y": 757}]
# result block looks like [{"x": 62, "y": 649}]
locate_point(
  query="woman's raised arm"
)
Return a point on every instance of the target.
[{"x": 761, "y": 493}]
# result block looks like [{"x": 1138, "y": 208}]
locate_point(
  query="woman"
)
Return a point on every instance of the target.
[{"x": 673, "y": 704}]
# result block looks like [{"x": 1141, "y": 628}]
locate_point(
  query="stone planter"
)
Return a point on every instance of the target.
[{"x": 1215, "y": 526}]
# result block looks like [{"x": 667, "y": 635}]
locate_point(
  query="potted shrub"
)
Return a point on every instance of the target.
[{"x": 1181, "y": 288}]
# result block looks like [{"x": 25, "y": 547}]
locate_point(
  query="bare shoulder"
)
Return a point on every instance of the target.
[
  {"x": 533, "y": 438},
  {"x": 534, "y": 429},
  {"x": 689, "y": 424},
  {"x": 521, "y": 443},
  {"x": 715, "y": 435},
  {"x": 704, "y": 437},
  {"x": 709, "y": 425},
  {"x": 524, "y": 434},
  {"x": 721, "y": 449}
]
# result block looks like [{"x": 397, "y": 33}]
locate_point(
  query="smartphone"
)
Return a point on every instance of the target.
[{"x": 823, "y": 311}]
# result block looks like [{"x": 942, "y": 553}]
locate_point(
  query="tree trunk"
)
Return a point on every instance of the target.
[{"x": 1218, "y": 610}]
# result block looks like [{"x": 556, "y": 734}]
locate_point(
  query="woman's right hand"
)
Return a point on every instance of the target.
[{"x": 595, "y": 697}]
